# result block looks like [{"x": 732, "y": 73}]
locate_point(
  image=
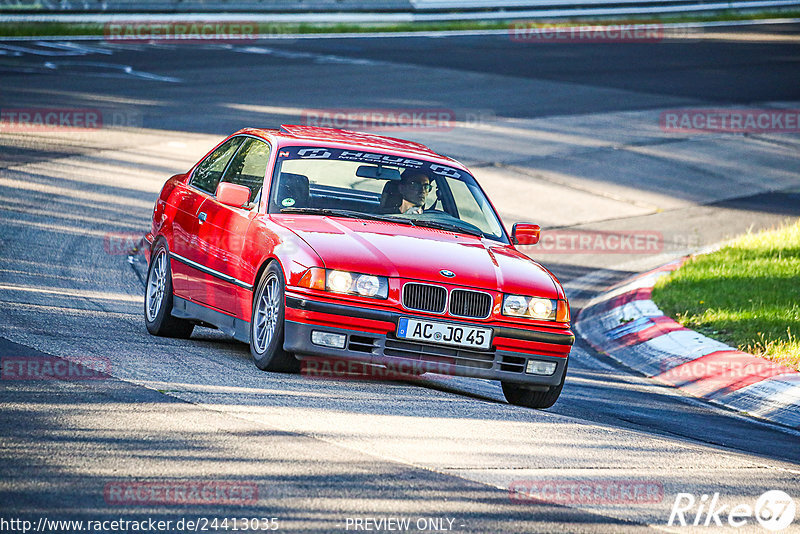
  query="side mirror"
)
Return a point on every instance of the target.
[
  {"x": 233, "y": 194},
  {"x": 525, "y": 234}
]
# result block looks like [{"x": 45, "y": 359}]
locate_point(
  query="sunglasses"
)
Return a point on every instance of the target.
[{"x": 420, "y": 185}]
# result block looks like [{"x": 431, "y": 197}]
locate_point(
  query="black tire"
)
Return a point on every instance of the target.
[
  {"x": 158, "y": 299},
  {"x": 267, "y": 348},
  {"x": 519, "y": 395}
]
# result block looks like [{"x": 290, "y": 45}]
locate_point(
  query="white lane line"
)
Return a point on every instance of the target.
[
  {"x": 40, "y": 52},
  {"x": 82, "y": 49},
  {"x": 107, "y": 70},
  {"x": 290, "y": 54},
  {"x": 81, "y": 293},
  {"x": 70, "y": 49}
]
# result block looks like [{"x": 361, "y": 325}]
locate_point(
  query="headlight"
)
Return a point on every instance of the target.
[
  {"x": 368, "y": 285},
  {"x": 515, "y": 305},
  {"x": 536, "y": 308},
  {"x": 339, "y": 281},
  {"x": 365, "y": 285},
  {"x": 541, "y": 308}
]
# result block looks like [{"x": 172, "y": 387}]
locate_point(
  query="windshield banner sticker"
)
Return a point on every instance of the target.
[{"x": 367, "y": 157}]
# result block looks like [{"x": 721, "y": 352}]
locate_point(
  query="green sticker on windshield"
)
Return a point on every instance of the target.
[{"x": 288, "y": 202}]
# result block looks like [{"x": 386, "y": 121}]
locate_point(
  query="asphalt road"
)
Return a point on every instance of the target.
[{"x": 564, "y": 135}]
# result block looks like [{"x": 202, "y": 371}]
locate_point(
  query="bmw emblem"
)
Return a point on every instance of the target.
[{"x": 448, "y": 274}]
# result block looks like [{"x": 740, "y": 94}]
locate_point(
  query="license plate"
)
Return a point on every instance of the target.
[{"x": 458, "y": 335}]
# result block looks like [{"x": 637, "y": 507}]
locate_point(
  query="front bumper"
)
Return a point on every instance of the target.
[{"x": 371, "y": 345}]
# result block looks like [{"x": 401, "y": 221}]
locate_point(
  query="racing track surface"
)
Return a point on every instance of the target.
[{"x": 563, "y": 135}]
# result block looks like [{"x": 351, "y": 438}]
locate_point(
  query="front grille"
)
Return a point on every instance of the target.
[
  {"x": 512, "y": 364},
  {"x": 361, "y": 343},
  {"x": 438, "y": 354},
  {"x": 474, "y": 304},
  {"x": 424, "y": 297}
]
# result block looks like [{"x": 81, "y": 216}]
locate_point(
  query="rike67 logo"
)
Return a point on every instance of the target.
[{"x": 774, "y": 510}]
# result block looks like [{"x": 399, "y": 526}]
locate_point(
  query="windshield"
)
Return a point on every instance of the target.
[{"x": 350, "y": 183}]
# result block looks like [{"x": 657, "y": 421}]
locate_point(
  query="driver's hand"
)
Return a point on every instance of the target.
[{"x": 414, "y": 210}]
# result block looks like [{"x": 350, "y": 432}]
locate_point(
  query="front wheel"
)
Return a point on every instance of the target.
[
  {"x": 267, "y": 324},
  {"x": 519, "y": 395},
  {"x": 158, "y": 298}
]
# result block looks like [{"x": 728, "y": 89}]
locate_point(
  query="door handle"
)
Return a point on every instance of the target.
[{"x": 202, "y": 216}]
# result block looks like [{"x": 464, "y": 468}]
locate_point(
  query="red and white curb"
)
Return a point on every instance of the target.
[{"x": 626, "y": 325}]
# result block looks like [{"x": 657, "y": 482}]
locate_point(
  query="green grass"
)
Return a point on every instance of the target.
[
  {"x": 746, "y": 294},
  {"x": 34, "y": 29},
  {"x": 30, "y": 29},
  {"x": 277, "y": 29}
]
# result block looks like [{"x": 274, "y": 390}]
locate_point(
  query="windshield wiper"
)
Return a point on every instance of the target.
[
  {"x": 450, "y": 227},
  {"x": 349, "y": 214},
  {"x": 387, "y": 218}
]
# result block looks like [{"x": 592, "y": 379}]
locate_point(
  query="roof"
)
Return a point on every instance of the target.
[{"x": 290, "y": 133}]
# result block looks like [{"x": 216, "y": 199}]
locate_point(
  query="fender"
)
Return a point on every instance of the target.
[{"x": 267, "y": 241}]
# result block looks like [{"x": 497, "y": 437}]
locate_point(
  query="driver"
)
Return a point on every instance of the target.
[{"x": 414, "y": 187}]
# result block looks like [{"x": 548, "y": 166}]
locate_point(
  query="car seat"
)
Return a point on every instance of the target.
[
  {"x": 391, "y": 199},
  {"x": 293, "y": 191}
]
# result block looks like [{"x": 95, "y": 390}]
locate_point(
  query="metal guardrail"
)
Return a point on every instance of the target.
[
  {"x": 509, "y": 5},
  {"x": 374, "y": 10},
  {"x": 204, "y": 5}
]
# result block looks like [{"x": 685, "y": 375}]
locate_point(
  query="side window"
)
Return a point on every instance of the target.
[
  {"x": 470, "y": 209},
  {"x": 249, "y": 166},
  {"x": 209, "y": 172},
  {"x": 434, "y": 196}
]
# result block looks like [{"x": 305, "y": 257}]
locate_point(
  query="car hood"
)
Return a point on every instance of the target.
[{"x": 396, "y": 250}]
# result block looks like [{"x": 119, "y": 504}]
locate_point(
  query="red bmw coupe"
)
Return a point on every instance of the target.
[{"x": 313, "y": 242}]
